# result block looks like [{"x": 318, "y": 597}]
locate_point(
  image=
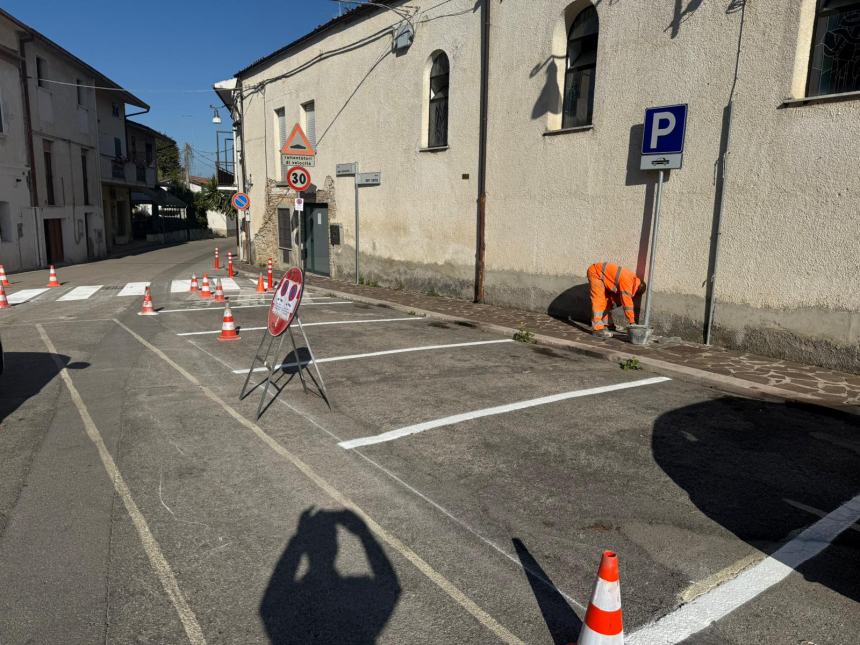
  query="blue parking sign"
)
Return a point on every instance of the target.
[{"x": 664, "y": 130}]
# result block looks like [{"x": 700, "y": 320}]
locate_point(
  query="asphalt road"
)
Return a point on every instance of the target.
[{"x": 460, "y": 488}]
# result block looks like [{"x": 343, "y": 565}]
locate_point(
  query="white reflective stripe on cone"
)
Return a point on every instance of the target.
[
  {"x": 607, "y": 595},
  {"x": 590, "y": 637}
]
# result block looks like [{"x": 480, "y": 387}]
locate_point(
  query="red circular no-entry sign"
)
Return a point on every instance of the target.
[
  {"x": 298, "y": 178},
  {"x": 285, "y": 302}
]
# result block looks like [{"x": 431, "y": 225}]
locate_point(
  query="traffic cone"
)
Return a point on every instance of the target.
[
  {"x": 219, "y": 292},
  {"x": 3, "y": 279},
  {"x": 217, "y": 259},
  {"x": 4, "y": 304},
  {"x": 269, "y": 279},
  {"x": 52, "y": 279},
  {"x": 205, "y": 291},
  {"x": 195, "y": 286},
  {"x": 261, "y": 288},
  {"x": 147, "y": 309},
  {"x": 228, "y": 327},
  {"x": 230, "y": 264},
  {"x": 603, "y": 624}
]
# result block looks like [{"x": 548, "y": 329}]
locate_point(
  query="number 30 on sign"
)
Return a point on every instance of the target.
[{"x": 298, "y": 178}]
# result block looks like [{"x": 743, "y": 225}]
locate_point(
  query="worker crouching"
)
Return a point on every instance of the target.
[{"x": 611, "y": 285}]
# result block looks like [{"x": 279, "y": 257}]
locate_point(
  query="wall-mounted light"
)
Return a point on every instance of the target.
[{"x": 216, "y": 118}]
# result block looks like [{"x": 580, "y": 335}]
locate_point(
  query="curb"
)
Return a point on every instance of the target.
[{"x": 730, "y": 384}]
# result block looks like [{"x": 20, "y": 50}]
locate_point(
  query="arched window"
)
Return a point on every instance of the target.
[
  {"x": 834, "y": 65},
  {"x": 437, "y": 134},
  {"x": 581, "y": 63}
]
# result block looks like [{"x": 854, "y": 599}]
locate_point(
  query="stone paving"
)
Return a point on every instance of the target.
[{"x": 833, "y": 388}]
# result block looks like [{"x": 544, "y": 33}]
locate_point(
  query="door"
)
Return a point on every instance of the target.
[
  {"x": 91, "y": 251},
  {"x": 315, "y": 237},
  {"x": 54, "y": 241}
]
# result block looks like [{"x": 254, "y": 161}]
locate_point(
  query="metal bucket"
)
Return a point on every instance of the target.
[{"x": 639, "y": 334}]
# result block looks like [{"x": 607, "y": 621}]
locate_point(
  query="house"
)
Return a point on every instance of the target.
[
  {"x": 507, "y": 195},
  {"x": 65, "y": 169}
]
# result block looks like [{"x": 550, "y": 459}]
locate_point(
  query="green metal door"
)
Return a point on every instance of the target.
[{"x": 315, "y": 234}]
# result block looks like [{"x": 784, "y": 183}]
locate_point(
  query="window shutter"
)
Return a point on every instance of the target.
[
  {"x": 284, "y": 233},
  {"x": 282, "y": 127},
  {"x": 311, "y": 123}
]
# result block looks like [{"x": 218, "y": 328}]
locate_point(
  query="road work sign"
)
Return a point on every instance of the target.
[
  {"x": 241, "y": 201},
  {"x": 663, "y": 137},
  {"x": 285, "y": 302},
  {"x": 298, "y": 149}
]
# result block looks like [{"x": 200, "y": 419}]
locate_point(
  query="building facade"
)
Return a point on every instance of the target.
[
  {"x": 62, "y": 119},
  {"x": 762, "y": 221}
]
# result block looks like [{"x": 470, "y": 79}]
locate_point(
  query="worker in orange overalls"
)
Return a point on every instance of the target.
[{"x": 611, "y": 286}]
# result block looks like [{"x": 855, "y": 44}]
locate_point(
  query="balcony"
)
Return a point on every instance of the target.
[{"x": 130, "y": 172}]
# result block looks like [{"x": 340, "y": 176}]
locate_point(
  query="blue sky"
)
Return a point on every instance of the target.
[{"x": 167, "y": 51}]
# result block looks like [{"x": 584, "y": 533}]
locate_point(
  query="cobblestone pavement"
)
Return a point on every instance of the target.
[{"x": 809, "y": 382}]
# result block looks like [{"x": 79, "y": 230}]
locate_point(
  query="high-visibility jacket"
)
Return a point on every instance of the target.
[{"x": 611, "y": 284}]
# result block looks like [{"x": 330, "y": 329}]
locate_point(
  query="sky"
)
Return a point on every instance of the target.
[{"x": 169, "y": 53}]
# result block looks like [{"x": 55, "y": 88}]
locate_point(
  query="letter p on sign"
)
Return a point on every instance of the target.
[{"x": 664, "y": 130}]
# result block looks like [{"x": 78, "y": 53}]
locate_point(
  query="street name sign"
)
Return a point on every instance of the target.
[
  {"x": 346, "y": 169},
  {"x": 663, "y": 137},
  {"x": 368, "y": 179}
]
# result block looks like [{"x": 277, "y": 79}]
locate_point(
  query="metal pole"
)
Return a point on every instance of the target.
[
  {"x": 653, "y": 253},
  {"x": 718, "y": 226},
  {"x": 355, "y": 178}
]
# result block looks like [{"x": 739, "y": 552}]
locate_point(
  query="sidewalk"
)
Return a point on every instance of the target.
[{"x": 729, "y": 370}]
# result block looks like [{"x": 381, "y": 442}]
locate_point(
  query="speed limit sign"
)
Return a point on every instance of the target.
[{"x": 298, "y": 178}]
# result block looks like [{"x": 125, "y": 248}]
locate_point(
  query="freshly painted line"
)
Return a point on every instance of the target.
[
  {"x": 229, "y": 284},
  {"x": 387, "y": 352},
  {"x": 306, "y": 304},
  {"x": 708, "y": 608},
  {"x": 150, "y": 544},
  {"x": 391, "y": 435},
  {"x": 24, "y": 295},
  {"x": 313, "y": 324},
  {"x": 133, "y": 289},
  {"x": 453, "y": 592},
  {"x": 180, "y": 286},
  {"x": 80, "y": 293}
]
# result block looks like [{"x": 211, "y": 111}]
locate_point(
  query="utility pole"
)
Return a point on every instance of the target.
[{"x": 187, "y": 155}]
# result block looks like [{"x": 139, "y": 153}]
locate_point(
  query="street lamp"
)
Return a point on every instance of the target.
[{"x": 216, "y": 118}]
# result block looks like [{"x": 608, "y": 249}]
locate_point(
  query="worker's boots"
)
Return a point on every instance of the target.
[{"x": 601, "y": 333}]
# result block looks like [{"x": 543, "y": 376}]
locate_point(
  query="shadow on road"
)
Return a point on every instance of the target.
[
  {"x": 764, "y": 471},
  {"x": 561, "y": 621},
  {"x": 309, "y": 601},
  {"x": 25, "y": 374}
]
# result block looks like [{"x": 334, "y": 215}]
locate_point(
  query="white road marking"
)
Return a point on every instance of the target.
[
  {"x": 150, "y": 544},
  {"x": 387, "y": 352},
  {"x": 304, "y": 304},
  {"x": 453, "y": 592},
  {"x": 313, "y": 324},
  {"x": 24, "y": 295},
  {"x": 134, "y": 289},
  {"x": 181, "y": 286},
  {"x": 398, "y": 433},
  {"x": 80, "y": 293},
  {"x": 814, "y": 511},
  {"x": 718, "y": 603},
  {"x": 229, "y": 284}
]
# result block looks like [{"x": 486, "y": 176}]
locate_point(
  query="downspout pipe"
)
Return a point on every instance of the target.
[
  {"x": 480, "y": 245},
  {"x": 241, "y": 159},
  {"x": 28, "y": 123}
]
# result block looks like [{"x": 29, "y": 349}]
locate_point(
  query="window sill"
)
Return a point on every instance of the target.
[
  {"x": 579, "y": 128},
  {"x": 433, "y": 149},
  {"x": 822, "y": 98}
]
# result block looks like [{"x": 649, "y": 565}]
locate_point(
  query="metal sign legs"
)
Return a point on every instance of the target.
[{"x": 263, "y": 359}]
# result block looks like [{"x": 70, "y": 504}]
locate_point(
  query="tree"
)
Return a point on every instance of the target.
[
  {"x": 169, "y": 169},
  {"x": 211, "y": 199}
]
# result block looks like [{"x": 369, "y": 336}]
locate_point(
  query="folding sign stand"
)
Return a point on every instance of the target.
[{"x": 285, "y": 292}]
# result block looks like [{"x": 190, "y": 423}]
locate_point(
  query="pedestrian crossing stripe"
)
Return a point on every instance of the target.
[
  {"x": 24, "y": 295},
  {"x": 80, "y": 293},
  {"x": 134, "y": 289}
]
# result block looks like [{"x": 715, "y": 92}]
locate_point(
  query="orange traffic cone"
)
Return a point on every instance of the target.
[
  {"x": 219, "y": 292},
  {"x": 269, "y": 279},
  {"x": 228, "y": 327},
  {"x": 261, "y": 287},
  {"x": 3, "y": 279},
  {"x": 603, "y": 624},
  {"x": 52, "y": 279},
  {"x": 205, "y": 291},
  {"x": 195, "y": 286},
  {"x": 4, "y": 304},
  {"x": 147, "y": 309}
]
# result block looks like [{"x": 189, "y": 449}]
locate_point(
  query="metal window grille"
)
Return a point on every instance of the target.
[
  {"x": 834, "y": 62},
  {"x": 438, "y": 124},
  {"x": 579, "y": 79}
]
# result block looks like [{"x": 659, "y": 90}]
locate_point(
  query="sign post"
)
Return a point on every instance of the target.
[
  {"x": 361, "y": 179},
  {"x": 662, "y": 149}
]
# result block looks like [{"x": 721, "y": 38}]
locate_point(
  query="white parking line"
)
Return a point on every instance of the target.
[
  {"x": 721, "y": 601},
  {"x": 388, "y": 352},
  {"x": 133, "y": 289},
  {"x": 391, "y": 435},
  {"x": 214, "y": 307},
  {"x": 313, "y": 324},
  {"x": 24, "y": 295},
  {"x": 80, "y": 293}
]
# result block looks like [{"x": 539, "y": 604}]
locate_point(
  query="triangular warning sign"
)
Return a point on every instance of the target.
[{"x": 297, "y": 144}]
